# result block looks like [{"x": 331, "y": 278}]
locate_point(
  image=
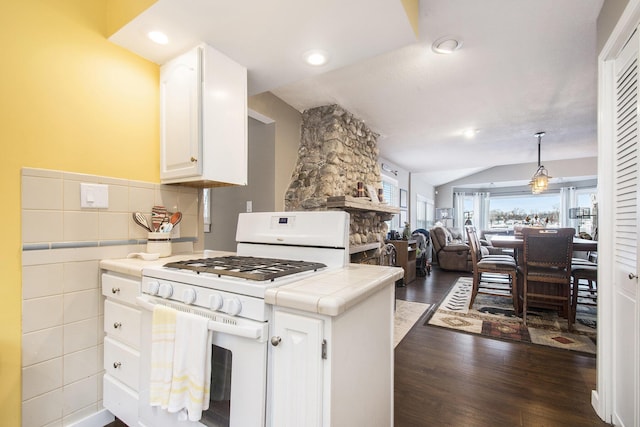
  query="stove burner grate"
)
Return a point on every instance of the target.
[{"x": 252, "y": 268}]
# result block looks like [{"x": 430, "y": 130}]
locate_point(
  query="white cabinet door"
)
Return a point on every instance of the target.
[
  {"x": 203, "y": 116},
  {"x": 297, "y": 371},
  {"x": 180, "y": 116}
]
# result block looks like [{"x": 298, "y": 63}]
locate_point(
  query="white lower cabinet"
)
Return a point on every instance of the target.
[
  {"x": 333, "y": 370},
  {"x": 121, "y": 346},
  {"x": 297, "y": 370},
  {"x": 120, "y": 400}
]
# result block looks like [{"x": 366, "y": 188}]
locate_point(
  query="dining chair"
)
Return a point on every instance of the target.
[
  {"x": 492, "y": 272},
  {"x": 584, "y": 277},
  {"x": 546, "y": 270}
]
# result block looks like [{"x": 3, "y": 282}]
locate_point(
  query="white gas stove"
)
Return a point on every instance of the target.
[{"x": 273, "y": 249}]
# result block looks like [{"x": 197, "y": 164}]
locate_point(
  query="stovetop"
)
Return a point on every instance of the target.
[{"x": 246, "y": 267}]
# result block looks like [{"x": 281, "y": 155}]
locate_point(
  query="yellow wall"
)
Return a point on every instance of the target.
[{"x": 69, "y": 100}]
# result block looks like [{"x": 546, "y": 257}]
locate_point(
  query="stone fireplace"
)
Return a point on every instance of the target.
[{"x": 336, "y": 152}]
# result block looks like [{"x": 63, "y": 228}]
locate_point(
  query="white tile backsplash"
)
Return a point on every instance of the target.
[
  {"x": 41, "y": 193},
  {"x": 80, "y": 365},
  {"x": 41, "y": 226},
  {"x": 42, "y": 345},
  {"x": 118, "y": 198},
  {"x": 80, "y": 394},
  {"x": 42, "y": 280},
  {"x": 41, "y": 378},
  {"x": 63, "y": 313},
  {"x": 81, "y": 226},
  {"x": 43, "y": 410},
  {"x": 81, "y": 276},
  {"x": 82, "y": 335},
  {"x": 114, "y": 225},
  {"x": 42, "y": 313},
  {"x": 80, "y": 305},
  {"x": 141, "y": 199}
]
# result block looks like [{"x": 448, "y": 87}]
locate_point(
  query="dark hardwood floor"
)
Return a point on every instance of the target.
[{"x": 448, "y": 378}]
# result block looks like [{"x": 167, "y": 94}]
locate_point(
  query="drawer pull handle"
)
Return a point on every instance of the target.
[
  {"x": 116, "y": 325},
  {"x": 116, "y": 365},
  {"x": 115, "y": 290}
]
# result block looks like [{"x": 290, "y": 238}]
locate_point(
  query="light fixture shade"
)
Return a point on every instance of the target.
[{"x": 540, "y": 180}]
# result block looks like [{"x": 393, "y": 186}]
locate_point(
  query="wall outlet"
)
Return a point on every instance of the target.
[
  {"x": 94, "y": 196},
  {"x": 249, "y": 206}
]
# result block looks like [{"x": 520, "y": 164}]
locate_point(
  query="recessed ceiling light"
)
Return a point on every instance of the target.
[
  {"x": 446, "y": 45},
  {"x": 316, "y": 57},
  {"x": 158, "y": 37},
  {"x": 470, "y": 133}
]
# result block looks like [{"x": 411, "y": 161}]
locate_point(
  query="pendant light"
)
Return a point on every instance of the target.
[{"x": 540, "y": 180}]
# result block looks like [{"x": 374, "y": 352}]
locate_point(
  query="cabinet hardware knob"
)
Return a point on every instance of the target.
[
  {"x": 116, "y": 325},
  {"x": 632, "y": 276},
  {"x": 275, "y": 341},
  {"x": 116, "y": 365},
  {"x": 193, "y": 160},
  {"x": 115, "y": 290}
]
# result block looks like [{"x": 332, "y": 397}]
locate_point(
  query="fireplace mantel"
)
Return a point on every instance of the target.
[{"x": 360, "y": 204}]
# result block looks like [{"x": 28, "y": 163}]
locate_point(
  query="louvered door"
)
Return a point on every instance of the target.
[{"x": 625, "y": 234}]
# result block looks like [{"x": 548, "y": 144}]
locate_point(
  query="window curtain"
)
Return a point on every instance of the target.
[
  {"x": 481, "y": 211},
  {"x": 568, "y": 200},
  {"x": 458, "y": 210}
]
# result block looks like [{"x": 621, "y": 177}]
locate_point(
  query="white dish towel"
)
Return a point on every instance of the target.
[{"x": 180, "y": 363}]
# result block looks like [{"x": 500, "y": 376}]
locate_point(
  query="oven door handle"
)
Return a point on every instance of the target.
[{"x": 258, "y": 332}]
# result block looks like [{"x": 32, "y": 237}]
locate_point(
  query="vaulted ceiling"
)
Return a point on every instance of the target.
[{"x": 524, "y": 66}]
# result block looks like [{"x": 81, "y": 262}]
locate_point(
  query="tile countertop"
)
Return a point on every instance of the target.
[
  {"x": 329, "y": 292},
  {"x": 134, "y": 266},
  {"x": 333, "y": 292}
]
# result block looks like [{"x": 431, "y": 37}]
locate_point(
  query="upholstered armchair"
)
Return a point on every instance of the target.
[{"x": 450, "y": 250}]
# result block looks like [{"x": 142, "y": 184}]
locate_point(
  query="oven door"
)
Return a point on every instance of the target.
[{"x": 238, "y": 374}]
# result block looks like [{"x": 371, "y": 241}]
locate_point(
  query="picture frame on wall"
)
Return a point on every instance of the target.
[
  {"x": 403, "y": 198},
  {"x": 403, "y": 217}
]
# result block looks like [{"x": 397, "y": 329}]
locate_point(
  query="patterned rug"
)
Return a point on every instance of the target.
[
  {"x": 494, "y": 317},
  {"x": 406, "y": 315}
]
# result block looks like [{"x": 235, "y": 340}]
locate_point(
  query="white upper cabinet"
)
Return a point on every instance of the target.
[{"x": 203, "y": 119}]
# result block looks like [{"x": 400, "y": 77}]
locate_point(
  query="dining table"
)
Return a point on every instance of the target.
[{"x": 516, "y": 242}]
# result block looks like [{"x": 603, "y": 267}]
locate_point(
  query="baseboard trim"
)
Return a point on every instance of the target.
[{"x": 98, "y": 419}]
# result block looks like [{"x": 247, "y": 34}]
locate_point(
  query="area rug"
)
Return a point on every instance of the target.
[
  {"x": 406, "y": 315},
  {"x": 494, "y": 317}
]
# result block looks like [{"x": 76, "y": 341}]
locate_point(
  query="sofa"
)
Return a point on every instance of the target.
[{"x": 449, "y": 249}]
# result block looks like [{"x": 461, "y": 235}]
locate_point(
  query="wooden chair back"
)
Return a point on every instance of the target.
[
  {"x": 474, "y": 244},
  {"x": 549, "y": 249}
]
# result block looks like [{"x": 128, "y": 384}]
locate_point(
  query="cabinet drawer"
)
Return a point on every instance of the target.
[
  {"x": 120, "y": 288},
  {"x": 121, "y": 362},
  {"x": 122, "y": 323},
  {"x": 120, "y": 400}
]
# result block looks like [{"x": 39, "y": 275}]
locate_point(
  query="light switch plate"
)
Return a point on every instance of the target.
[
  {"x": 94, "y": 196},
  {"x": 249, "y": 206}
]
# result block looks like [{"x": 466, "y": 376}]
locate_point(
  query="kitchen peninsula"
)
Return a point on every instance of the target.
[{"x": 332, "y": 329}]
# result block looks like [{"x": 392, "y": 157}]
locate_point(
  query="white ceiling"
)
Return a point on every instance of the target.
[{"x": 525, "y": 66}]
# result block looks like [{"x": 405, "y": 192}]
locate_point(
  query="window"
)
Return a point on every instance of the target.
[
  {"x": 424, "y": 213},
  {"x": 507, "y": 211},
  {"x": 391, "y": 196}
]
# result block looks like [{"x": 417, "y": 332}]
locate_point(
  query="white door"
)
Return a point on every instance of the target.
[
  {"x": 297, "y": 371},
  {"x": 626, "y": 323}
]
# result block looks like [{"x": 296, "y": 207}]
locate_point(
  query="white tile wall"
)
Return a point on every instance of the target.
[{"x": 62, "y": 305}]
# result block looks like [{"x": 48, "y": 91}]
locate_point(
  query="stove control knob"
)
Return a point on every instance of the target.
[
  {"x": 189, "y": 296},
  {"x": 234, "y": 306},
  {"x": 154, "y": 287},
  {"x": 215, "y": 301},
  {"x": 166, "y": 290}
]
